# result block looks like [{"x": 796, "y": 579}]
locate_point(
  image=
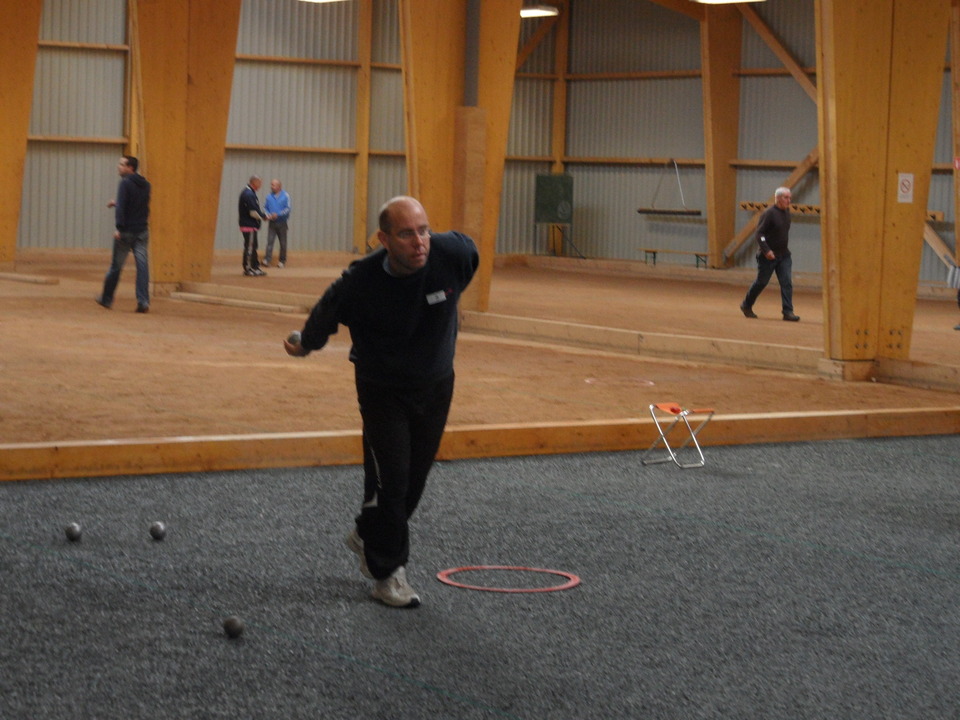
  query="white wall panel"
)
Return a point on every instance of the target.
[
  {"x": 631, "y": 36},
  {"x": 388, "y": 178},
  {"x": 635, "y": 118},
  {"x": 530, "y": 118},
  {"x": 78, "y": 93},
  {"x": 778, "y": 120},
  {"x": 290, "y": 28},
  {"x": 66, "y": 187},
  {"x": 321, "y": 195},
  {"x": 792, "y": 22},
  {"x": 605, "y": 217},
  {"x": 292, "y": 105},
  {"x": 83, "y": 21},
  {"x": 386, "y": 32},
  {"x": 516, "y": 232},
  {"x": 386, "y": 110}
]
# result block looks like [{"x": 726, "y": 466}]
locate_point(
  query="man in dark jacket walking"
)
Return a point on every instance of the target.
[
  {"x": 773, "y": 256},
  {"x": 132, "y": 212},
  {"x": 250, "y": 217}
]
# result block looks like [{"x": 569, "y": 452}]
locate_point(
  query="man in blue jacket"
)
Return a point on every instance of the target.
[
  {"x": 131, "y": 214},
  {"x": 400, "y": 304},
  {"x": 277, "y": 206}
]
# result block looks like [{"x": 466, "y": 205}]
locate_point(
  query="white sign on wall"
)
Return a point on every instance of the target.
[{"x": 905, "y": 187}]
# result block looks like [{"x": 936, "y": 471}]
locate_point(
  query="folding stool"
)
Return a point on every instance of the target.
[{"x": 665, "y": 410}]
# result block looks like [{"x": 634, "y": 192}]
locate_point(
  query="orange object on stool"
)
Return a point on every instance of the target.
[{"x": 679, "y": 414}]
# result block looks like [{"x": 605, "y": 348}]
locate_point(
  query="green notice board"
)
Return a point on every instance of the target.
[{"x": 553, "y": 202}]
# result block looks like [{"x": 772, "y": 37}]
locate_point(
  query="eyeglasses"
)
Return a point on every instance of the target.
[{"x": 423, "y": 232}]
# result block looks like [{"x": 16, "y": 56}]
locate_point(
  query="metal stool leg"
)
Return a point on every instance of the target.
[{"x": 680, "y": 415}]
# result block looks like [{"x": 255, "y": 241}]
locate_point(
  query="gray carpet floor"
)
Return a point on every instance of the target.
[{"x": 815, "y": 580}]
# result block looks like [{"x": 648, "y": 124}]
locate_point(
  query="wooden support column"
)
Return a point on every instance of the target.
[
  {"x": 871, "y": 242},
  {"x": 955, "y": 94},
  {"x": 720, "y": 40},
  {"x": 187, "y": 50},
  {"x": 361, "y": 167},
  {"x": 920, "y": 31},
  {"x": 499, "y": 35},
  {"x": 455, "y": 154},
  {"x": 19, "y": 36},
  {"x": 432, "y": 36}
]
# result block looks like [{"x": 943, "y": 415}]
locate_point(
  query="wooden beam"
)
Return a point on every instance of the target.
[
  {"x": 361, "y": 165},
  {"x": 19, "y": 35},
  {"x": 684, "y": 7},
  {"x": 533, "y": 42},
  {"x": 210, "y": 64},
  {"x": 163, "y": 44},
  {"x": 871, "y": 238},
  {"x": 720, "y": 40},
  {"x": 558, "y": 122},
  {"x": 432, "y": 39},
  {"x": 754, "y": 206},
  {"x": 42, "y": 461},
  {"x": 499, "y": 35},
  {"x": 920, "y": 31},
  {"x": 773, "y": 42},
  {"x": 561, "y": 57},
  {"x": 936, "y": 243},
  {"x": 955, "y": 105}
]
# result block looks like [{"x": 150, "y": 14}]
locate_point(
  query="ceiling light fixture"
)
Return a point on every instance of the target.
[
  {"x": 723, "y": 2},
  {"x": 320, "y": 1},
  {"x": 533, "y": 10}
]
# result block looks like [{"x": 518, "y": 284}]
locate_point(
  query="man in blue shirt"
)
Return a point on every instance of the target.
[{"x": 277, "y": 206}]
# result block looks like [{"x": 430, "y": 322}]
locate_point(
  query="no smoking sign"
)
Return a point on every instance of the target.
[{"x": 905, "y": 187}]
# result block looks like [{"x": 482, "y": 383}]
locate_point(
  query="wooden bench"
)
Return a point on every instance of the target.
[{"x": 651, "y": 254}]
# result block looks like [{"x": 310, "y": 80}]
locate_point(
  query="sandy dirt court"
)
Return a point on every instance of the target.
[{"x": 72, "y": 370}]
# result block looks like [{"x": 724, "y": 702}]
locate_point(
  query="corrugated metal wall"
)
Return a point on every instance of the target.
[
  {"x": 291, "y": 113},
  {"x": 83, "y": 21},
  {"x": 66, "y": 187},
  {"x": 78, "y": 95},
  {"x": 302, "y": 115},
  {"x": 612, "y": 118},
  {"x": 305, "y": 112},
  {"x": 778, "y": 122},
  {"x": 289, "y": 28}
]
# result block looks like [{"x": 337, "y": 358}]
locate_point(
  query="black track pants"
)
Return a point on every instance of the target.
[{"x": 402, "y": 429}]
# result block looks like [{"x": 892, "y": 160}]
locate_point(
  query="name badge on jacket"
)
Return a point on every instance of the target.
[{"x": 436, "y": 297}]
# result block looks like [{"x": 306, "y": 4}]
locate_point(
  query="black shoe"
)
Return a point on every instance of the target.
[
  {"x": 790, "y": 317},
  {"x": 956, "y": 327},
  {"x": 101, "y": 302},
  {"x": 143, "y": 308},
  {"x": 747, "y": 312}
]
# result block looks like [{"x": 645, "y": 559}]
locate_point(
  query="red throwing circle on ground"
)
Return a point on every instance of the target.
[{"x": 571, "y": 579}]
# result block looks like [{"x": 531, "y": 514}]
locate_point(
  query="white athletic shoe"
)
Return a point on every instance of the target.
[
  {"x": 395, "y": 591},
  {"x": 355, "y": 543}
]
